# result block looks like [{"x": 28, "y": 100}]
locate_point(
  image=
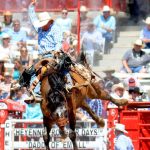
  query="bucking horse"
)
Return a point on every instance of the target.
[{"x": 59, "y": 105}]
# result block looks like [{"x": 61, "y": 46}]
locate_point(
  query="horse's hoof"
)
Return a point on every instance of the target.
[{"x": 101, "y": 122}]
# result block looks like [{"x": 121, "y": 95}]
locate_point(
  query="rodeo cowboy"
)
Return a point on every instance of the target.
[{"x": 49, "y": 43}]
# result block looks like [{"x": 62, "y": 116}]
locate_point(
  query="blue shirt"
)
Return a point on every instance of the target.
[
  {"x": 123, "y": 143},
  {"x": 110, "y": 22},
  {"x": 95, "y": 105},
  {"x": 65, "y": 24},
  {"x": 47, "y": 40},
  {"x": 33, "y": 111},
  {"x": 145, "y": 33},
  {"x": 92, "y": 40},
  {"x": 18, "y": 36},
  {"x": 16, "y": 74}
]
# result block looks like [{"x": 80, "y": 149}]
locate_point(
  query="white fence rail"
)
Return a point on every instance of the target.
[{"x": 27, "y": 134}]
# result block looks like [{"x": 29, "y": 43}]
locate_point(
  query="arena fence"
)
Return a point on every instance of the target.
[{"x": 27, "y": 134}]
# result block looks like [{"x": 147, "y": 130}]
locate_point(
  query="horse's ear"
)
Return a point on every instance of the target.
[
  {"x": 83, "y": 55},
  {"x": 82, "y": 60}
]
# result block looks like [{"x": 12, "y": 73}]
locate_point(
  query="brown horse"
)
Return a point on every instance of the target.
[{"x": 56, "y": 103}]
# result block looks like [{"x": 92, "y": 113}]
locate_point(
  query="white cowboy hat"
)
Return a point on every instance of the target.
[
  {"x": 147, "y": 21},
  {"x": 83, "y": 9},
  {"x": 7, "y": 13},
  {"x": 7, "y": 74},
  {"x": 138, "y": 42},
  {"x": 116, "y": 86},
  {"x": 5, "y": 36},
  {"x": 44, "y": 18},
  {"x": 106, "y": 8},
  {"x": 120, "y": 127}
]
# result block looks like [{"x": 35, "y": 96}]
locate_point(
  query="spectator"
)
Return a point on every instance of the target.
[
  {"x": 110, "y": 79},
  {"x": 123, "y": 142},
  {"x": 6, "y": 49},
  {"x": 64, "y": 21},
  {"x": 118, "y": 91},
  {"x": 6, "y": 84},
  {"x": 145, "y": 33},
  {"x": 134, "y": 60},
  {"x": 17, "y": 69},
  {"x": 25, "y": 58},
  {"x": 84, "y": 19},
  {"x": 7, "y": 24},
  {"x": 26, "y": 25},
  {"x": 106, "y": 24},
  {"x": 135, "y": 94},
  {"x": 92, "y": 43},
  {"x": 19, "y": 96},
  {"x": 69, "y": 44},
  {"x": 3, "y": 94},
  {"x": 25, "y": 19},
  {"x": 95, "y": 105},
  {"x": 17, "y": 34},
  {"x": 131, "y": 81},
  {"x": 33, "y": 111},
  {"x": 133, "y": 10}
]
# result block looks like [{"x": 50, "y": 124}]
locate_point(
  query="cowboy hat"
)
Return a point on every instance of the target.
[
  {"x": 138, "y": 42},
  {"x": 147, "y": 21},
  {"x": 7, "y": 74},
  {"x": 106, "y": 8},
  {"x": 83, "y": 9},
  {"x": 5, "y": 36},
  {"x": 7, "y": 13},
  {"x": 131, "y": 82},
  {"x": 44, "y": 18},
  {"x": 135, "y": 90},
  {"x": 120, "y": 127},
  {"x": 117, "y": 86}
]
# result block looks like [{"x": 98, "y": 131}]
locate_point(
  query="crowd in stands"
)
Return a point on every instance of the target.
[
  {"x": 18, "y": 51},
  {"x": 19, "y": 45}
]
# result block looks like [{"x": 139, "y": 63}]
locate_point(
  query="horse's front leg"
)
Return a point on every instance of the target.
[
  {"x": 72, "y": 121},
  {"x": 46, "y": 135},
  {"x": 103, "y": 95},
  {"x": 98, "y": 120}
]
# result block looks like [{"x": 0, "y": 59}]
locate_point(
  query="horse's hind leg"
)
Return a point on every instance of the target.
[
  {"x": 97, "y": 119},
  {"x": 72, "y": 122},
  {"x": 103, "y": 95},
  {"x": 46, "y": 135}
]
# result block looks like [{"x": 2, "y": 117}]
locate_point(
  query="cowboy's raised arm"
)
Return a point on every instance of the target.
[{"x": 32, "y": 15}]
